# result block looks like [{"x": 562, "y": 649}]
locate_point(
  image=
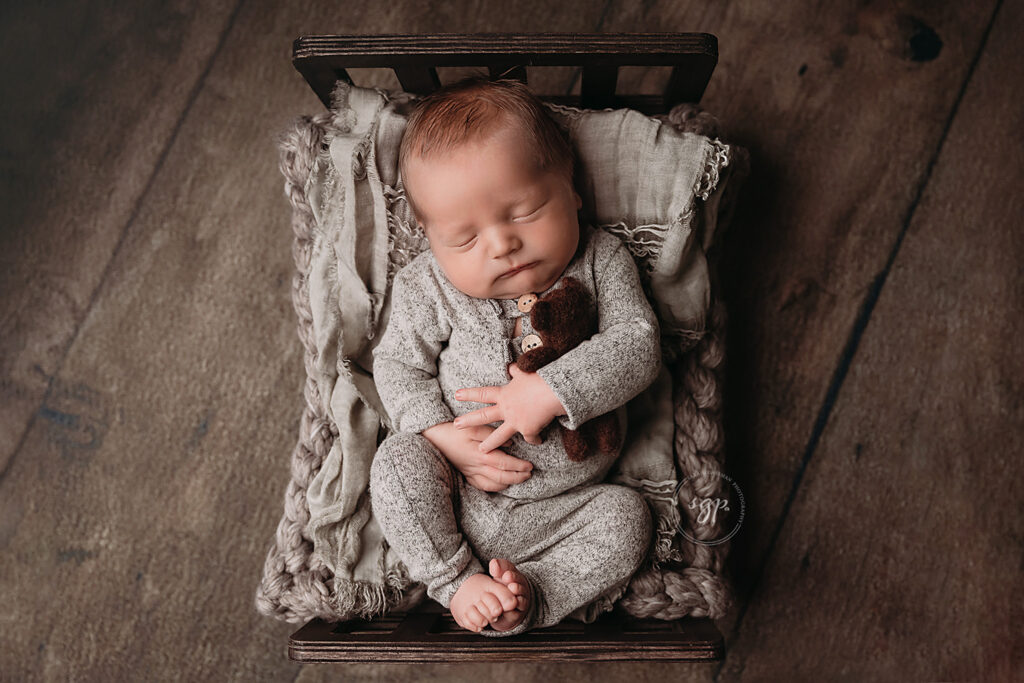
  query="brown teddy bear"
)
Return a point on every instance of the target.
[{"x": 563, "y": 319}]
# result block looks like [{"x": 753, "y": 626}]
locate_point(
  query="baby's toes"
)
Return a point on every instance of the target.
[
  {"x": 507, "y": 599},
  {"x": 499, "y": 567},
  {"x": 476, "y": 618},
  {"x": 489, "y": 606},
  {"x": 458, "y": 620}
]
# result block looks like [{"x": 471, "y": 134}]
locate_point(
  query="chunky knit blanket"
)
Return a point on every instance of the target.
[{"x": 328, "y": 558}]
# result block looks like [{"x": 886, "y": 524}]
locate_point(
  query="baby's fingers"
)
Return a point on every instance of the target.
[
  {"x": 500, "y": 435},
  {"x": 482, "y": 416},
  {"x": 503, "y": 461},
  {"x": 480, "y": 433},
  {"x": 478, "y": 394},
  {"x": 533, "y": 438},
  {"x": 504, "y": 477}
]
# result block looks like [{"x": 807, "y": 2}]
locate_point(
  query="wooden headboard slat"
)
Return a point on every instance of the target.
[{"x": 414, "y": 58}]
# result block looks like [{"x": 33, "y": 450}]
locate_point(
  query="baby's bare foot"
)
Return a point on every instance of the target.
[
  {"x": 479, "y": 601},
  {"x": 506, "y": 572}
]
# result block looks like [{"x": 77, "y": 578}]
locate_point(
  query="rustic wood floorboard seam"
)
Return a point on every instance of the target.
[
  {"x": 171, "y": 139},
  {"x": 600, "y": 20},
  {"x": 857, "y": 332}
]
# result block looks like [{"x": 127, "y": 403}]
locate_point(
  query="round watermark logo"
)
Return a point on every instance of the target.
[{"x": 715, "y": 506}]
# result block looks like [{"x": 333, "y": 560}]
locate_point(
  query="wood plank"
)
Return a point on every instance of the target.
[
  {"x": 841, "y": 107},
  {"x": 902, "y": 555},
  {"x": 600, "y": 53},
  {"x": 500, "y": 672},
  {"x": 92, "y": 96},
  {"x": 417, "y": 80},
  {"x": 431, "y": 635},
  {"x": 451, "y": 48},
  {"x": 597, "y": 88}
]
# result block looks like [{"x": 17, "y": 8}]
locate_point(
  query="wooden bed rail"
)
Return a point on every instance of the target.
[
  {"x": 428, "y": 633},
  {"x": 323, "y": 60}
]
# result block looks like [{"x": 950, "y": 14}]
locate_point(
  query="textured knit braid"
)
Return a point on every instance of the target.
[
  {"x": 296, "y": 588},
  {"x": 695, "y": 585}
]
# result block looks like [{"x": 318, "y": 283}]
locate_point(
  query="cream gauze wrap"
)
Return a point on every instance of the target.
[{"x": 658, "y": 188}]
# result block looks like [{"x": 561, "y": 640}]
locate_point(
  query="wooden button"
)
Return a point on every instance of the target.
[
  {"x": 531, "y": 341},
  {"x": 525, "y": 302}
]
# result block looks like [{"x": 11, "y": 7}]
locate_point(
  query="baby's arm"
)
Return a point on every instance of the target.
[
  {"x": 405, "y": 360},
  {"x": 598, "y": 376},
  {"x": 621, "y": 360},
  {"x": 405, "y": 372}
]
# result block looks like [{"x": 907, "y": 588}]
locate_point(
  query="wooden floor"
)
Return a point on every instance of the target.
[{"x": 150, "y": 374}]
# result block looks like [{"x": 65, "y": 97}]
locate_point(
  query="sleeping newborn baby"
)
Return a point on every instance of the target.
[{"x": 475, "y": 471}]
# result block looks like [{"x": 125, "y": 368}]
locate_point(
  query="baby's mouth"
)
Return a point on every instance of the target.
[{"x": 517, "y": 269}]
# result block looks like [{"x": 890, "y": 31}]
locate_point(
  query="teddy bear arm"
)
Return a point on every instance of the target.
[
  {"x": 575, "y": 443},
  {"x": 606, "y": 432},
  {"x": 534, "y": 359}
]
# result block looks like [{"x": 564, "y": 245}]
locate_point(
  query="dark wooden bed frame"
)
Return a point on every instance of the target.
[{"x": 429, "y": 634}]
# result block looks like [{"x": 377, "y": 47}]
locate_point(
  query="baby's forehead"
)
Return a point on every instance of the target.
[{"x": 500, "y": 135}]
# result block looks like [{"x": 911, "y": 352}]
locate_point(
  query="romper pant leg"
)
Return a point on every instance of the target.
[
  {"x": 414, "y": 492},
  {"x": 574, "y": 548}
]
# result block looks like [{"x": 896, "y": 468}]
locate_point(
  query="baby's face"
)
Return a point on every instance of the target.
[{"x": 497, "y": 226}]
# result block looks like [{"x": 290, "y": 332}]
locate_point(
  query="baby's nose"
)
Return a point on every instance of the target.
[{"x": 502, "y": 243}]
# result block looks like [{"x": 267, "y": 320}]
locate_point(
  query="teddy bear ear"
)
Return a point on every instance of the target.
[{"x": 574, "y": 286}]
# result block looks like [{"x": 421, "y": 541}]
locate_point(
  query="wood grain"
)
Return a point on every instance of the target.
[
  {"x": 901, "y": 557},
  {"x": 139, "y": 507},
  {"x": 145, "y": 265},
  {"x": 842, "y": 106},
  {"x": 415, "y": 58},
  {"x": 431, "y": 635},
  {"x": 92, "y": 99}
]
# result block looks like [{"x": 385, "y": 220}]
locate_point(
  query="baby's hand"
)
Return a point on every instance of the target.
[
  {"x": 525, "y": 405},
  {"x": 494, "y": 471}
]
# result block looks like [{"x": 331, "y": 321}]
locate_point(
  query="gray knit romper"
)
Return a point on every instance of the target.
[{"x": 576, "y": 540}]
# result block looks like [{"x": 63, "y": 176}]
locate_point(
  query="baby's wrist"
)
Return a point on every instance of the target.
[
  {"x": 441, "y": 437},
  {"x": 436, "y": 429},
  {"x": 436, "y": 434},
  {"x": 551, "y": 401}
]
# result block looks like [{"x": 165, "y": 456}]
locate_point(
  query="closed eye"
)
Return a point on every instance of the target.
[
  {"x": 528, "y": 215},
  {"x": 467, "y": 243}
]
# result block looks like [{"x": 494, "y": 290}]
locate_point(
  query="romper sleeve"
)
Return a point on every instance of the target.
[
  {"x": 405, "y": 360},
  {"x": 621, "y": 359}
]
